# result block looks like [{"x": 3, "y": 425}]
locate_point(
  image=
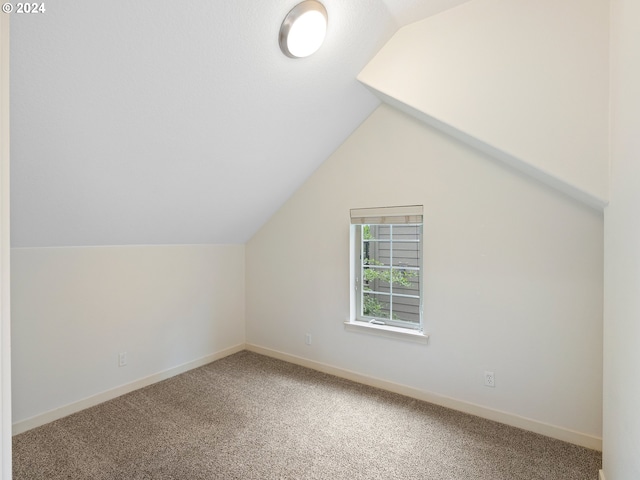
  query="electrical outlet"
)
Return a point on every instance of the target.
[
  {"x": 122, "y": 359},
  {"x": 307, "y": 339},
  {"x": 489, "y": 379}
]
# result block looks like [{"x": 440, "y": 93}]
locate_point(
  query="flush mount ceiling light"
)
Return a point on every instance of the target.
[{"x": 303, "y": 29}]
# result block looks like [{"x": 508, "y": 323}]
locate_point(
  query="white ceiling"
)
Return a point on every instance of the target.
[{"x": 159, "y": 122}]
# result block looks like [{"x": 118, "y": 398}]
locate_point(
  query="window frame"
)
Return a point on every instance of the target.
[{"x": 389, "y": 327}]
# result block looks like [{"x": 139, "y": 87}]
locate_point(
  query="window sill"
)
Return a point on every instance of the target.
[{"x": 387, "y": 331}]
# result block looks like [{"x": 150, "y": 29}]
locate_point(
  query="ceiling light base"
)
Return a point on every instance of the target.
[{"x": 303, "y": 30}]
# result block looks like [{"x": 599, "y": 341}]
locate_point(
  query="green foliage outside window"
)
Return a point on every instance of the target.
[
  {"x": 371, "y": 306},
  {"x": 394, "y": 276}
]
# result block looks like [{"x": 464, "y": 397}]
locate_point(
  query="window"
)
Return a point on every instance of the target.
[{"x": 387, "y": 269}]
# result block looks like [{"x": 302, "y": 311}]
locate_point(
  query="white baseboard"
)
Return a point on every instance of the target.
[
  {"x": 542, "y": 428},
  {"x": 51, "y": 415},
  {"x": 535, "y": 426},
  {"x": 601, "y": 475}
]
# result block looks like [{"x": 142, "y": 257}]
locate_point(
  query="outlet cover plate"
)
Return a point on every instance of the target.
[{"x": 489, "y": 379}]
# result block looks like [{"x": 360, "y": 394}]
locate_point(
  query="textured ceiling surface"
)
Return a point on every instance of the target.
[{"x": 158, "y": 122}]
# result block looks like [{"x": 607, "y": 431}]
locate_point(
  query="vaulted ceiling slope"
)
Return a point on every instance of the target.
[
  {"x": 156, "y": 122},
  {"x": 525, "y": 81}
]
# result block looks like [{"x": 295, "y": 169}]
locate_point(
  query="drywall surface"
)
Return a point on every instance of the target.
[
  {"x": 153, "y": 121},
  {"x": 5, "y": 311},
  {"x": 513, "y": 276},
  {"x": 75, "y": 309},
  {"x": 528, "y": 79},
  {"x": 621, "y": 454}
]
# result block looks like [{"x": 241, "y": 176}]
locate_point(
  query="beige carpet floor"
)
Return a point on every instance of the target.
[{"x": 252, "y": 417}]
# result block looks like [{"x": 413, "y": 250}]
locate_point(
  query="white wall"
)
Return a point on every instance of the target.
[
  {"x": 513, "y": 274},
  {"x": 527, "y": 78},
  {"x": 5, "y": 330},
  {"x": 621, "y": 456},
  {"x": 75, "y": 309}
]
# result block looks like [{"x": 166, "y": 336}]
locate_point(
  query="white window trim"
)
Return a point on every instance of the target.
[
  {"x": 387, "y": 331},
  {"x": 359, "y": 326}
]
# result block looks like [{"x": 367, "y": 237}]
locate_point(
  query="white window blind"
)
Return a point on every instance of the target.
[{"x": 410, "y": 214}]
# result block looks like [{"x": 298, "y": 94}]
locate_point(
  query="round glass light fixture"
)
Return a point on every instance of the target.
[{"x": 303, "y": 29}]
